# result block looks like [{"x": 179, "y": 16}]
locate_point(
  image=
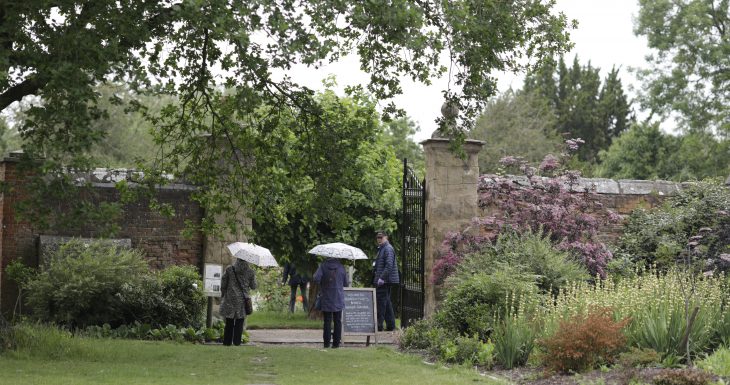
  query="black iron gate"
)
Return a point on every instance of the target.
[{"x": 413, "y": 231}]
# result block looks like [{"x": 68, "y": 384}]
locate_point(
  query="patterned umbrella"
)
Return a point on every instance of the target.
[
  {"x": 338, "y": 250},
  {"x": 259, "y": 256}
]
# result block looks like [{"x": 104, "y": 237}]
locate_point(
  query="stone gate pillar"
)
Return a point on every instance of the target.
[{"x": 451, "y": 200}]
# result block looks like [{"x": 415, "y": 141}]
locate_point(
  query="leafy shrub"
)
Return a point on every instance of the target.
[
  {"x": 468, "y": 351},
  {"x": 530, "y": 252},
  {"x": 550, "y": 198},
  {"x": 682, "y": 377},
  {"x": 717, "y": 363},
  {"x": 639, "y": 358},
  {"x": 100, "y": 283},
  {"x": 174, "y": 296},
  {"x": 473, "y": 303},
  {"x": 583, "y": 342},
  {"x": 514, "y": 340},
  {"x": 656, "y": 237},
  {"x": 184, "y": 298},
  {"x": 80, "y": 284},
  {"x": 426, "y": 335},
  {"x": 417, "y": 336}
]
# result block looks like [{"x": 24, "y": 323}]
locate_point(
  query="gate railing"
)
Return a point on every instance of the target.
[{"x": 412, "y": 229}]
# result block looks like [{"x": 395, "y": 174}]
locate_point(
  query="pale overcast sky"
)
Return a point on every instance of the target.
[{"x": 604, "y": 36}]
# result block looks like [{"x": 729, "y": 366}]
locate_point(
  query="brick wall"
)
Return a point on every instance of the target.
[{"x": 158, "y": 237}]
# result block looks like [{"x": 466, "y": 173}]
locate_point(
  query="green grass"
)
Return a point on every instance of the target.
[
  {"x": 281, "y": 320},
  {"x": 96, "y": 361}
]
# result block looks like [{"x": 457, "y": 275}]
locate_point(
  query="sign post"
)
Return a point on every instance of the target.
[
  {"x": 211, "y": 288},
  {"x": 359, "y": 318}
]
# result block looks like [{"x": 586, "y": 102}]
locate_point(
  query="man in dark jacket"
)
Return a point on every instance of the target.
[
  {"x": 295, "y": 280},
  {"x": 386, "y": 276}
]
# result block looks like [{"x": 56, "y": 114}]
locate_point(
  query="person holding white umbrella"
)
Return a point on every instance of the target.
[
  {"x": 237, "y": 281},
  {"x": 332, "y": 280}
]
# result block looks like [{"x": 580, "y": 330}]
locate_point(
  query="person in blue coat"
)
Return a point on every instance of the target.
[
  {"x": 386, "y": 276},
  {"x": 332, "y": 280}
]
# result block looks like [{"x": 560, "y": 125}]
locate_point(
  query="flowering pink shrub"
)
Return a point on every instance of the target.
[
  {"x": 458, "y": 244},
  {"x": 548, "y": 198}
]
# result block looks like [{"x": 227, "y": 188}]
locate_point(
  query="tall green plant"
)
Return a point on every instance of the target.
[{"x": 655, "y": 304}]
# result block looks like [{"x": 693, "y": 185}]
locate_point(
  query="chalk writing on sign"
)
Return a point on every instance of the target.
[{"x": 358, "y": 317}]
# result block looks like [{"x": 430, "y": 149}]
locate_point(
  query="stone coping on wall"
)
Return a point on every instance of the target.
[{"x": 599, "y": 185}]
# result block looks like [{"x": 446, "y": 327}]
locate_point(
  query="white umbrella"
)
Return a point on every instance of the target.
[
  {"x": 259, "y": 256},
  {"x": 338, "y": 250}
]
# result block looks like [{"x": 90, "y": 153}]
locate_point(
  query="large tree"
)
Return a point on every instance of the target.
[
  {"x": 516, "y": 122},
  {"x": 223, "y": 60},
  {"x": 689, "y": 68},
  {"x": 645, "y": 152},
  {"x": 585, "y": 107},
  {"x": 339, "y": 183},
  {"x": 398, "y": 135}
]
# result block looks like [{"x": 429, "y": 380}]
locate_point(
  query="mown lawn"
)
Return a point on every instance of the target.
[
  {"x": 92, "y": 361},
  {"x": 281, "y": 320}
]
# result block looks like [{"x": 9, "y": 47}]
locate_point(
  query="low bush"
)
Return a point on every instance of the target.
[
  {"x": 530, "y": 252},
  {"x": 472, "y": 305},
  {"x": 426, "y": 336},
  {"x": 468, "y": 351},
  {"x": 639, "y": 358},
  {"x": 584, "y": 342},
  {"x": 717, "y": 363},
  {"x": 172, "y": 296},
  {"x": 101, "y": 283},
  {"x": 682, "y": 377},
  {"x": 656, "y": 237},
  {"x": 80, "y": 284},
  {"x": 416, "y": 336}
]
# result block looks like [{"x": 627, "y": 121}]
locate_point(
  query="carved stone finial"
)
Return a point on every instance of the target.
[{"x": 450, "y": 111}]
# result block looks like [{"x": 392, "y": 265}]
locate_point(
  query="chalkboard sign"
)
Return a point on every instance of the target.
[{"x": 360, "y": 313}]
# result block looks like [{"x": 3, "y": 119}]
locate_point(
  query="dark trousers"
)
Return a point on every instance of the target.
[
  {"x": 293, "y": 297},
  {"x": 385, "y": 307},
  {"x": 330, "y": 316},
  {"x": 233, "y": 331}
]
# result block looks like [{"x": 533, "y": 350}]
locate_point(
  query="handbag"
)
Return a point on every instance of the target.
[
  {"x": 247, "y": 304},
  {"x": 318, "y": 302}
]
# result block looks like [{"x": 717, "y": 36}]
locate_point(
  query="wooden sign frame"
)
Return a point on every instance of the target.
[{"x": 375, "y": 315}]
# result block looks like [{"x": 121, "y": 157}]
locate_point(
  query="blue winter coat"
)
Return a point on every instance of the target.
[
  {"x": 385, "y": 265},
  {"x": 332, "y": 280}
]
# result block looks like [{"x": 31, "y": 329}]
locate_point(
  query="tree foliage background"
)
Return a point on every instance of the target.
[{"x": 221, "y": 65}]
